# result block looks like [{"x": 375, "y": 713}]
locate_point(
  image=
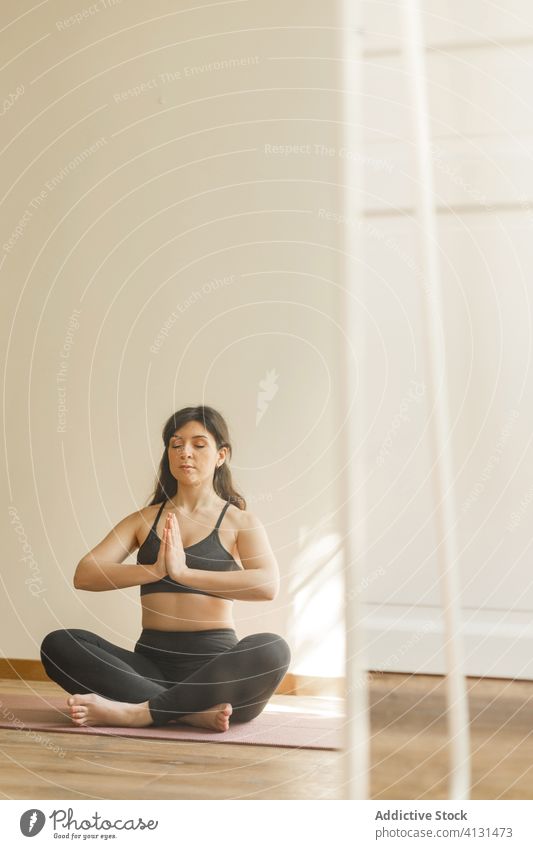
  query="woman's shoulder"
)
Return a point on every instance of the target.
[
  {"x": 144, "y": 518},
  {"x": 150, "y": 512},
  {"x": 242, "y": 519}
]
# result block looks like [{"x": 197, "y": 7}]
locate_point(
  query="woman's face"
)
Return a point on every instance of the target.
[{"x": 193, "y": 446}]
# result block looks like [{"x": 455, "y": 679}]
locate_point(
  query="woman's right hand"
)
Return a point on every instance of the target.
[{"x": 158, "y": 569}]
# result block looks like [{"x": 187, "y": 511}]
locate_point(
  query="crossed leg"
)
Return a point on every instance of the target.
[{"x": 245, "y": 676}]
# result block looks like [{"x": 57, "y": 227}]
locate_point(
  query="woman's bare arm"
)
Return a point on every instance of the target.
[{"x": 101, "y": 568}]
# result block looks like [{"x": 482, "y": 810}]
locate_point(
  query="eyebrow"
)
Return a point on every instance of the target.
[{"x": 198, "y": 436}]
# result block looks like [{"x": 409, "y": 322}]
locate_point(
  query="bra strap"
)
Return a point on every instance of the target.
[
  {"x": 226, "y": 505},
  {"x": 156, "y": 520}
]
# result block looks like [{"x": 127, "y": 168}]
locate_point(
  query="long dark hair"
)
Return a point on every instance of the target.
[{"x": 167, "y": 485}]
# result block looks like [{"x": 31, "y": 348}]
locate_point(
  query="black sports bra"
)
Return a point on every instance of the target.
[{"x": 208, "y": 554}]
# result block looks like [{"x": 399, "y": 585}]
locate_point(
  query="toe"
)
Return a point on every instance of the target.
[{"x": 223, "y": 718}]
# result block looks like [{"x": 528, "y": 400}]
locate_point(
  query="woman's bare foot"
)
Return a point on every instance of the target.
[
  {"x": 90, "y": 709},
  {"x": 215, "y": 718}
]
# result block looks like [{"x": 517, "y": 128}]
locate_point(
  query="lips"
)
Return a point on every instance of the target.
[{"x": 186, "y": 467}]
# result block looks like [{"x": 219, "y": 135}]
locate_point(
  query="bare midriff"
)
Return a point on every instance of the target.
[
  {"x": 189, "y": 611},
  {"x": 185, "y": 612}
]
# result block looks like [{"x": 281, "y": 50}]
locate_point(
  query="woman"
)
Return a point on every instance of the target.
[{"x": 199, "y": 549}]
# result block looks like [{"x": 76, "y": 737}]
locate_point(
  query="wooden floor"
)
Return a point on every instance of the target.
[{"x": 408, "y": 749}]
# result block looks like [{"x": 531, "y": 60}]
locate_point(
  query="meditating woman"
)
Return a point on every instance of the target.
[{"x": 199, "y": 550}]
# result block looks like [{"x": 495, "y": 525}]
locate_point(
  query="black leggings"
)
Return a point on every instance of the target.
[{"x": 176, "y": 672}]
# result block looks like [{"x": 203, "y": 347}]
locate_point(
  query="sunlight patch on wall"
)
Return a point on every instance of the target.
[{"x": 316, "y": 588}]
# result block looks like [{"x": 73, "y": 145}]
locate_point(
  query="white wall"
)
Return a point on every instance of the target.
[{"x": 181, "y": 261}]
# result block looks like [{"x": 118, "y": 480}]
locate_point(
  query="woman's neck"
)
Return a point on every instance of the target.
[{"x": 189, "y": 501}]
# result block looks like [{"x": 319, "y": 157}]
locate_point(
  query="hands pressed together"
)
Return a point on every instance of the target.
[{"x": 171, "y": 556}]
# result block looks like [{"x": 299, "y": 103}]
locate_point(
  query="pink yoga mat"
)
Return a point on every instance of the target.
[{"x": 273, "y": 727}]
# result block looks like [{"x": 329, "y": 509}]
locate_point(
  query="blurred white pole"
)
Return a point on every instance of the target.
[
  {"x": 458, "y": 723},
  {"x": 356, "y": 742}
]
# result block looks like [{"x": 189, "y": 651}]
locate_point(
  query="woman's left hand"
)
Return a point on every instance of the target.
[{"x": 174, "y": 554}]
